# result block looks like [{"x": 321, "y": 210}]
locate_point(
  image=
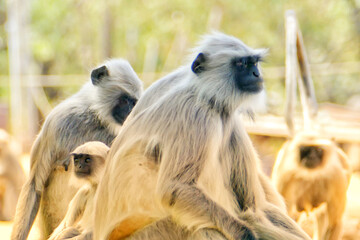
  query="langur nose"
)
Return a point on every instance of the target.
[{"x": 256, "y": 73}]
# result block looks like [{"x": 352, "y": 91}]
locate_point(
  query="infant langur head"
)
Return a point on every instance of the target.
[{"x": 88, "y": 161}]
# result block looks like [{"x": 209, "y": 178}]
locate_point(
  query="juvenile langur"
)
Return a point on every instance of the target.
[
  {"x": 183, "y": 165},
  {"x": 87, "y": 164},
  {"x": 95, "y": 113},
  {"x": 12, "y": 177},
  {"x": 309, "y": 171}
]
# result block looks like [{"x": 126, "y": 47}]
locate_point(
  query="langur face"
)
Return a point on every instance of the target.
[{"x": 247, "y": 75}]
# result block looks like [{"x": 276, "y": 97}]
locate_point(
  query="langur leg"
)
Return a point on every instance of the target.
[
  {"x": 166, "y": 228},
  {"x": 67, "y": 233},
  {"x": 334, "y": 231},
  {"x": 160, "y": 230},
  {"x": 335, "y": 211},
  {"x": 83, "y": 236},
  {"x": 208, "y": 234}
]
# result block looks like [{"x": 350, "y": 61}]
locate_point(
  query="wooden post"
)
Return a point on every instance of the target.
[
  {"x": 290, "y": 69},
  {"x": 295, "y": 53},
  {"x": 306, "y": 86}
]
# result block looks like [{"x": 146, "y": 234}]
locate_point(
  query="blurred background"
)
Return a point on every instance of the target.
[{"x": 47, "y": 48}]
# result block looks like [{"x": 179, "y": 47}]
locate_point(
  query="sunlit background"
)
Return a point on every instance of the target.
[{"x": 48, "y": 48}]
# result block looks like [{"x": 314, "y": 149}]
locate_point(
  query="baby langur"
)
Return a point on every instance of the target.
[
  {"x": 87, "y": 164},
  {"x": 311, "y": 171}
]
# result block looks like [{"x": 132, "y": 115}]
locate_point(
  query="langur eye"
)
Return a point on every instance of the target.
[
  {"x": 76, "y": 160},
  {"x": 87, "y": 160}
]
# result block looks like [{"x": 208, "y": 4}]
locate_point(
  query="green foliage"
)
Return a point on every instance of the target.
[{"x": 67, "y": 36}]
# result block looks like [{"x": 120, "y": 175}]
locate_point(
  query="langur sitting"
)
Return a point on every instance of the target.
[
  {"x": 183, "y": 165},
  {"x": 95, "y": 113},
  {"x": 312, "y": 174}
]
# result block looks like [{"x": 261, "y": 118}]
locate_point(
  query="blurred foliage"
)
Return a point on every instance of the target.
[{"x": 70, "y": 37}]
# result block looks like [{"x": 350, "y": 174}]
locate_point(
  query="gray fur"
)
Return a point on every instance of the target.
[
  {"x": 207, "y": 177},
  {"x": 86, "y": 116}
]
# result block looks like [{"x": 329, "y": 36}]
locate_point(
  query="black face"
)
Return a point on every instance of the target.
[
  {"x": 123, "y": 108},
  {"x": 311, "y": 156},
  {"x": 82, "y": 165},
  {"x": 247, "y": 75}
]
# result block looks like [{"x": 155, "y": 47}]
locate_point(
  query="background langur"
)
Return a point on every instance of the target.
[
  {"x": 310, "y": 171},
  {"x": 12, "y": 177},
  {"x": 95, "y": 113},
  {"x": 187, "y": 169},
  {"x": 87, "y": 164}
]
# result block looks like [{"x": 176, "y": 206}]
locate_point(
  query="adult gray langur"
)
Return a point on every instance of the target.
[
  {"x": 183, "y": 166},
  {"x": 95, "y": 113}
]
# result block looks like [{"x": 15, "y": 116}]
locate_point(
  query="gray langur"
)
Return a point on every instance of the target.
[
  {"x": 184, "y": 166},
  {"x": 95, "y": 113},
  {"x": 87, "y": 165},
  {"x": 309, "y": 171},
  {"x": 12, "y": 176}
]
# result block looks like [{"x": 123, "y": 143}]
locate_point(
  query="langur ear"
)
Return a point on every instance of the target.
[
  {"x": 67, "y": 163},
  {"x": 199, "y": 63},
  {"x": 98, "y": 74}
]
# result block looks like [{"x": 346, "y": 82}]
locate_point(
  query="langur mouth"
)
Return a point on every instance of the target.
[{"x": 253, "y": 87}]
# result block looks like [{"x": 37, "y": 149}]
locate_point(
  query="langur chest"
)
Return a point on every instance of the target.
[{"x": 214, "y": 181}]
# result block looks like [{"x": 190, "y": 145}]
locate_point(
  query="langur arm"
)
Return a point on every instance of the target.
[
  {"x": 189, "y": 206},
  {"x": 77, "y": 206},
  {"x": 271, "y": 195},
  {"x": 250, "y": 179}
]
